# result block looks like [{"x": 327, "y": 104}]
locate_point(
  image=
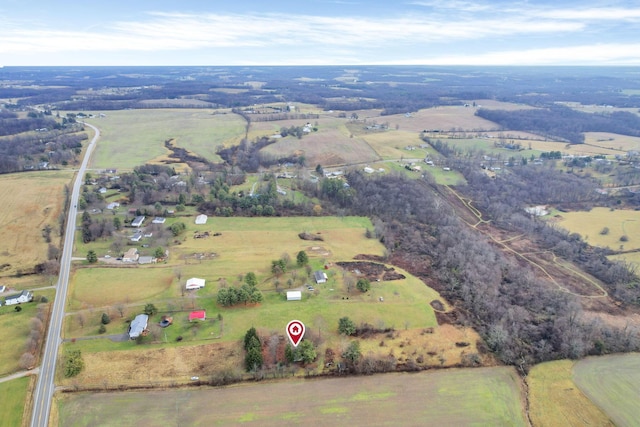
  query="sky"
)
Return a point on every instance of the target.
[{"x": 319, "y": 32}]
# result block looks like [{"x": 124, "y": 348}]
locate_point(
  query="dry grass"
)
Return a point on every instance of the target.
[
  {"x": 30, "y": 201},
  {"x": 488, "y": 396},
  {"x": 555, "y": 400}
]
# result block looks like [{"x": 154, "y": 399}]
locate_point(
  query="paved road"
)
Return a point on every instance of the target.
[{"x": 45, "y": 387}]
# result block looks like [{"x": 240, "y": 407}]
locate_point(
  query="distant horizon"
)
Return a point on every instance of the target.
[{"x": 321, "y": 33}]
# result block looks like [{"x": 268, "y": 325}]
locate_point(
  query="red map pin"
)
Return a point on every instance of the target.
[{"x": 295, "y": 331}]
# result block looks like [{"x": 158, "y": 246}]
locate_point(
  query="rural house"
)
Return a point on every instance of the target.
[
  {"x": 24, "y": 296},
  {"x": 294, "y": 295},
  {"x": 136, "y": 237},
  {"x": 158, "y": 220},
  {"x": 195, "y": 283},
  {"x": 131, "y": 255},
  {"x": 197, "y": 315},
  {"x": 137, "y": 222},
  {"x": 320, "y": 276},
  {"x": 138, "y": 326}
]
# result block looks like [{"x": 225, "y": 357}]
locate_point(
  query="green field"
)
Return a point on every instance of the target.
[
  {"x": 612, "y": 383},
  {"x": 133, "y": 137},
  {"x": 483, "y": 396},
  {"x": 619, "y": 222},
  {"x": 14, "y": 395},
  {"x": 555, "y": 400}
]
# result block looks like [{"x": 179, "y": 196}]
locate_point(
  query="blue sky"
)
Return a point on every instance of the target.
[{"x": 319, "y": 32}]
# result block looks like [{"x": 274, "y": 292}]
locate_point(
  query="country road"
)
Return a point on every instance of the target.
[{"x": 43, "y": 393}]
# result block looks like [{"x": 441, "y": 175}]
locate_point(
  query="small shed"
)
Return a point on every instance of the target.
[
  {"x": 195, "y": 283},
  {"x": 320, "y": 276},
  {"x": 201, "y": 219},
  {"x": 198, "y": 315},
  {"x": 294, "y": 295}
]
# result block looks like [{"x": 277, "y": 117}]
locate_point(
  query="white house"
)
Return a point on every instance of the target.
[
  {"x": 113, "y": 205},
  {"x": 320, "y": 276},
  {"x": 294, "y": 295},
  {"x": 158, "y": 220},
  {"x": 195, "y": 283},
  {"x": 136, "y": 237},
  {"x": 24, "y": 296},
  {"x": 137, "y": 222},
  {"x": 201, "y": 219},
  {"x": 138, "y": 326}
]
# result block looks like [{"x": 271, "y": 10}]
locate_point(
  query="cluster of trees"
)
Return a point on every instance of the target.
[
  {"x": 243, "y": 294},
  {"x": 92, "y": 230},
  {"x": 32, "y": 343},
  {"x": 557, "y": 121},
  {"x": 248, "y": 156},
  {"x": 523, "y": 319},
  {"x": 73, "y": 363}
]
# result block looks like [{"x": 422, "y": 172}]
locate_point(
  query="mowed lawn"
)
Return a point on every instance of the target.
[
  {"x": 483, "y": 396},
  {"x": 30, "y": 201},
  {"x": 14, "y": 331},
  {"x": 14, "y": 395},
  {"x": 619, "y": 222},
  {"x": 612, "y": 383},
  {"x": 556, "y": 400},
  {"x": 133, "y": 137}
]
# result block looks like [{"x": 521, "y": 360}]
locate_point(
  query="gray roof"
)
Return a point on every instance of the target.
[{"x": 138, "y": 325}]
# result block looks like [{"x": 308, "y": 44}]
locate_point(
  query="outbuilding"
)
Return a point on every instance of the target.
[
  {"x": 320, "y": 276},
  {"x": 198, "y": 315},
  {"x": 195, "y": 283},
  {"x": 201, "y": 219},
  {"x": 294, "y": 295},
  {"x": 137, "y": 222}
]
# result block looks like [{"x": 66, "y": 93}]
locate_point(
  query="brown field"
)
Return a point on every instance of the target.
[
  {"x": 30, "y": 201},
  {"x": 484, "y": 396}
]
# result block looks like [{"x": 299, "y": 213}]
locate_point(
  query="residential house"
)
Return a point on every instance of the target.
[
  {"x": 113, "y": 205},
  {"x": 201, "y": 219},
  {"x": 198, "y": 315},
  {"x": 24, "y": 296},
  {"x": 320, "y": 276},
  {"x": 158, "y": 220},
  {"x": 131, "y": 255},
  {"x": 137, "y": 222},
  {"x": 102, "y": 190},
  {"x": 138, "y": 326},
  {"x": 195, "y": 283},
  {"x": 294, "y": 295}
]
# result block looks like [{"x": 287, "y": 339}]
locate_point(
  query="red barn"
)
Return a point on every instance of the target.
[{"x": 197, "y": 315}]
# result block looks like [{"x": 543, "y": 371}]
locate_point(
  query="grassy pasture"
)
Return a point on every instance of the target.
[
  {"x": 14, "y": 395},
  {"x": 590, "y": 224},
  {"x": 133, "y": 137},
  {"x": 486, "y": 396},
  {"x": 30, "y": 201},
  {"x": 612, "y": 383},
  {"x": 14, "y": 330},
  {"x": 555, "y": 400}
]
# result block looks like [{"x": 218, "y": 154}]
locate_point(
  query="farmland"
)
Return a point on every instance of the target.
[
  {"x": 612, "y": 383},
  {"x": 30, "y": 201},
  {"x": 14, "y": 394},
  {"x": 131, "y": 138},
  {"x": 484, "y": 396}
]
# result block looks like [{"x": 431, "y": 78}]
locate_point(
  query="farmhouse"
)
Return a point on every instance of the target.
[
  {"x": 24, "y": 296},
  {"x": 195, "y": 283},
  {"x": 294, "y": 295},
  {"x": 197, "y": 315},
  {"x": 201, "y": 219},
  {"x": 131, "y": 255},
  {"x": 137, "y": 222},
  {"x": 138, "y": 326},
  {"x": 320, "y": 276}
]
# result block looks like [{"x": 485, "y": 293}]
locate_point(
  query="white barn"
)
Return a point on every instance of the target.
[
  {"x": 195, "y": 283},
  {"x": 294, "y": 295}
]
